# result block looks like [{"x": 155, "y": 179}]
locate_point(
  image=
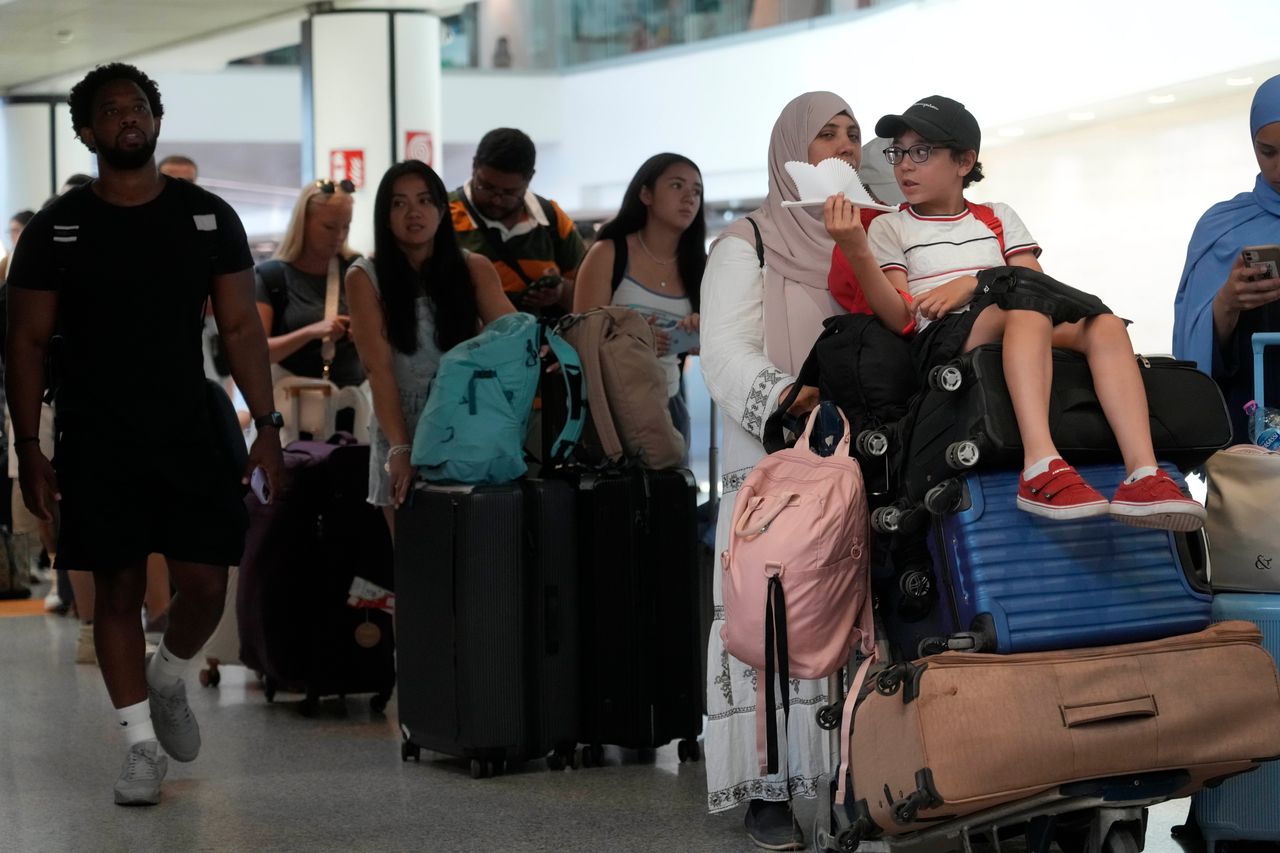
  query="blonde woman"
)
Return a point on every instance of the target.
[{"x": 290, "y": 288}]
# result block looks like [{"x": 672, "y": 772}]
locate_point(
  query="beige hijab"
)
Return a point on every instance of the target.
[{"x": 797, "y": 248}]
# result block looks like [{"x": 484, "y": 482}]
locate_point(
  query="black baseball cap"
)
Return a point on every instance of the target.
[{"x": 939, "y": 120}]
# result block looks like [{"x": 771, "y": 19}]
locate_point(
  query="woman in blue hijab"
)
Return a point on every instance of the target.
[{"x": 1221, "y": 302}]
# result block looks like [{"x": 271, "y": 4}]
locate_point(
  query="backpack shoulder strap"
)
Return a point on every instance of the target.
[
  {"x": 987, "y": 217},
  {"x": 759, "y": 242},
  {"x": 619, "y": 262},
  {"x": 273, "y": 277},
  {"x": 501, "y": 251}
]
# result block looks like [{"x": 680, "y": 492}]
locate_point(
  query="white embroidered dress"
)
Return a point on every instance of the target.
[{"x": 746, "y": 383}]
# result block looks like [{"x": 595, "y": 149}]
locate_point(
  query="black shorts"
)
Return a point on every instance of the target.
[
  {"x": 185, "y": 502},
  {"x": 1012, "y": 289}
]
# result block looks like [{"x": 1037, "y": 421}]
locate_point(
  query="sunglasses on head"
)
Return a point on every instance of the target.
[{"x": 327, "y": 187}]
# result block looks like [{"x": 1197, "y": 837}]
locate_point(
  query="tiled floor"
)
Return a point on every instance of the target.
[{"x": 271, "y": 780}]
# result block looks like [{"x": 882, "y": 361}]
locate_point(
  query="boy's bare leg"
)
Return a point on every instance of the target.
[
  {"x": 1105, "y": 343},
  {"x": 83, "y": 587},
  {"x": 1028, "y": 371}
]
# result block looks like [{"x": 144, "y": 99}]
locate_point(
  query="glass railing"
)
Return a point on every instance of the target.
[{"x": 543, "y": 35}]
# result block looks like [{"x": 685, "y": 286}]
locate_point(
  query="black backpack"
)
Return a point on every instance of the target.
[{"x": 863, "y": 368}]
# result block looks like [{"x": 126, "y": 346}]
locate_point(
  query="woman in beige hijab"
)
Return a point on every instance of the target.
[{"x": 758, "y": 324}]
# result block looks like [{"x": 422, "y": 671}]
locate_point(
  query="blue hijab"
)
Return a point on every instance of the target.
[{"x": 1250, "y": 219}]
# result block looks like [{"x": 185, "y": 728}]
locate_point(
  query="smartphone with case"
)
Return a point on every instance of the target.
[
  {"x": 680, "y": 339},
  {"x": 1266, "y": 258}
]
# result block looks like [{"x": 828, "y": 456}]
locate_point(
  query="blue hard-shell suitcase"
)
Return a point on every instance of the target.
[
  {"x": 1244, "y": 807},
  {"x": 1006, "y": 581}
]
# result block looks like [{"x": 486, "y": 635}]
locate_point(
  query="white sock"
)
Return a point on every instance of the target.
[
  {"x": 166, "y": 668},
  {"x": 1139, "y": 473},
  {"x": 135, "y": 722},
  {"x": 1035, "y": 469}
]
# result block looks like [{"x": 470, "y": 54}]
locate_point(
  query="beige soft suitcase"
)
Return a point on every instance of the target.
[{"x": 954, "y": 734}]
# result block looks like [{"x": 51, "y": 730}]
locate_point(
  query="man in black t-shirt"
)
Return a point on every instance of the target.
[{"x": 120, "y": 269}]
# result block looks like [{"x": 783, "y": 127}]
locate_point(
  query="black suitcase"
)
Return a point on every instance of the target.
[
  {"x": 966, "y": 419},
  {"x": 641, "y": 683},
  {"x": 487, "y": 639},
  {"x": 302, "y": 552}
]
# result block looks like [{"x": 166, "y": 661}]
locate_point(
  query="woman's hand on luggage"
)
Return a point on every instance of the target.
[
  {"x": 844, "y": 222},
  {"x": 945, "y": 298},
  {"x": 266, "y": 454},
  {"x": 38, "y": 481},
  {"x": 402, "y": 474},
  {"x": 1245, "y": 290}
]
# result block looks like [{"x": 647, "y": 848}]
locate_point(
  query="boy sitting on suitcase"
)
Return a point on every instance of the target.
[{"x": 936, "y": 249}]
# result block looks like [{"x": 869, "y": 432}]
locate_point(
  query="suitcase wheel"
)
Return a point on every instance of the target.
[
  {"x": 829, "y": 717},
  {"x": 962, "y": 454},
  {"x": 688, "y": 750},
  {"x": 483, "y": 768},
  {"x": 409, "y": 750},
  {"x": 310, "y": 705},
  {"x": 945, "y": 377},
  {"x": 872, "y": 442},
  {"x": 379, "y": 702},
  {"x": 269, "y": 688},
  {"x": 943, "y": 498},
  {"x": 886, "y": 519},
  {"x": 916, "y": 583},
  {"x": 210, "y": 677}
]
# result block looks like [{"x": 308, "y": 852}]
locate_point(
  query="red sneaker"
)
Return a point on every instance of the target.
[
  {"x": 1156, "y": 501},
  {"x": 1060, "y": 493}
]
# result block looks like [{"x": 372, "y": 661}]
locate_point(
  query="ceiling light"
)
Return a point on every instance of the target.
[
  {"x": 1239, "y": 81},
  {"x": 1161, "y": 99},
  {"x": 1010, "y": 131},
  {"x": 1083, "y": 115}
]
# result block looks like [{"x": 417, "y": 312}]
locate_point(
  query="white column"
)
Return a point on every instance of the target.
[
  {"x": 38, "y": 150},
  {"x": 371, "y": 81}
]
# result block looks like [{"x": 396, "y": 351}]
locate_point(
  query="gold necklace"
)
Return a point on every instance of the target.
[{"x": 654, "y": 258}]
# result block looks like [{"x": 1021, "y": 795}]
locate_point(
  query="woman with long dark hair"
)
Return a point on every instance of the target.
[
  {"x": 419, "y": 296},
  {"x": 650, "y": 258}
]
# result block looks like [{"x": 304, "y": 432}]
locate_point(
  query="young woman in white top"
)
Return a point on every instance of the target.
[
  {"x": 418, "y": 297},
  {"x": 650, "y": 258}
]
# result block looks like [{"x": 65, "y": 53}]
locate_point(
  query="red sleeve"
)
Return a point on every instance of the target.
[{"x": 844, "y": 285}]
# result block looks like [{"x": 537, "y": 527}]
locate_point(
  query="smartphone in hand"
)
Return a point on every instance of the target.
[
  {"x": 1264, "y": 259},
  {"x": 260, "y": 486}
]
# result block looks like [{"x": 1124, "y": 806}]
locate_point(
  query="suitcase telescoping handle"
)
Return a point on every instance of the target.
[{"x": 1261, "y": 340}]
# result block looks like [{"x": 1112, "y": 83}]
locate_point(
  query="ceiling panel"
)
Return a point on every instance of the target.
[{"x": 44, "y": 38}]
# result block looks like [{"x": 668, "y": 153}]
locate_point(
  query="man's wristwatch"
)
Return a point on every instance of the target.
[{"x": 270, "y": 419}]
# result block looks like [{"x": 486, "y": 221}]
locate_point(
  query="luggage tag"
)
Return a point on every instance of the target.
[{"x": 368, "y": 635}]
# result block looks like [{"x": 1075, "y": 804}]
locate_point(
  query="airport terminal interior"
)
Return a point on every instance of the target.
[{"x": 1111, "y": 125}]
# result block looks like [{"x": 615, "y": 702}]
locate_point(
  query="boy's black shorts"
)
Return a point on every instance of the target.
[
  {"x": 1010, "y": 288},
  {"x": 185, "y": 502}
]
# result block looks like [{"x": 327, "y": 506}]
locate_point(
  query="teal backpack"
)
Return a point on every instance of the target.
[{"x": 473, "y": 427}]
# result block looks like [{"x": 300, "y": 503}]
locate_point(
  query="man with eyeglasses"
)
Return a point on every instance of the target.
[
  {"x": 532, "y": 242},
  {"x": 120, "y": 268}
]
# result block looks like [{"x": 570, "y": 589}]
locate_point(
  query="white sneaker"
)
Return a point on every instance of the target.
[
  {"x": 140, "y": 778},
  {"x": 175, "y": 725},
  {"x": 52, "y": 602},
  {"x": 86, "y": 653}
]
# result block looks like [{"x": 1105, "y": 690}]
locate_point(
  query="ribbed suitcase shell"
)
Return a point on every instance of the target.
[
  {"x": 641, "y": 677},
  {"x": 1246, "y": 807},
  {"x": 1061, "y": 584},
  {"x": 485, "y": 604}
]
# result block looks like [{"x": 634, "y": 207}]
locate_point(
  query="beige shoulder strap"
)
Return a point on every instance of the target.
[
  {"x": 586, "y": 333},
  {"x": 328, "y": 348}
]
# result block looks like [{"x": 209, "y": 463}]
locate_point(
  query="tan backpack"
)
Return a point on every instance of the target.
[{"x": 626, "y": 388}]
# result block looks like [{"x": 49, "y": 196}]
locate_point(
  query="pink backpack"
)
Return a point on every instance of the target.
[{"x": 796, "y": 579}]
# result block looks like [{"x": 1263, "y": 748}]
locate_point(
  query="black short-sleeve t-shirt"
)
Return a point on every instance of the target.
[
  {"x": 131, "y": 284},
  {"x": 304, "y": 305}
]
